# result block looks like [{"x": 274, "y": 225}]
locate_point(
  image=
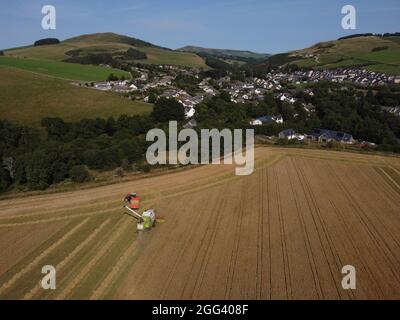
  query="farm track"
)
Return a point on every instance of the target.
[{"x": 284, "y": 232}]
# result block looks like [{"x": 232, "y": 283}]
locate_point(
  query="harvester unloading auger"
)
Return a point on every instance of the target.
[{"x": 147, "y": 219}]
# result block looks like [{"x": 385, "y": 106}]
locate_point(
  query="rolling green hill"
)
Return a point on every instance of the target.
[
  {"x": 110, "y": 43},
  {"x": 374, "y": 53},
  {"x": 64, "y": 70},
  {"x": 27, "y": 97},
  {"x": 227, "y": 54}
]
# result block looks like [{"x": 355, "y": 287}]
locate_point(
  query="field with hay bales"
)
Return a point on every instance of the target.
[{"x": 284, "y": 232}]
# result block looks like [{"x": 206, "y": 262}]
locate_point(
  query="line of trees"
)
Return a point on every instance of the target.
[
  {"x": 384, "y": 35},
  {"x": 116, "y": 60},
  {"x": 70, "y": 149},
  {"x": 46, "y": 41}
]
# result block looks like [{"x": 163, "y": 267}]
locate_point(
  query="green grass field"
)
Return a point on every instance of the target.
[
  {"x": 27, "y": 97},
  {"x": 385, "y": 56},
  {"x": 385, "y": 68},
  {"x": 69, "y": 71}
]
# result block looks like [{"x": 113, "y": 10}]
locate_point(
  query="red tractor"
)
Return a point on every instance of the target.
[{"x": 133, "y": 201}]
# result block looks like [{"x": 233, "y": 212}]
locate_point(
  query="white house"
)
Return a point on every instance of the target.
[
  {"x": 189, "y": 112},
  {"x": 278, "y": 119},
  {"x": 256, "y": 122},
  {"x": 103, "y": 86},
  {"x": 290, "y": 134},
  {"x": 266, "y": 119},
  {"x": 287, "y": 134}
]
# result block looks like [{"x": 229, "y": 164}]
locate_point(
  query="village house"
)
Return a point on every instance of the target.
[
  {"x": 210, "y": 91},
  {"x": 174, "y": 94},
  {"x": 103, "y": 86},
  {"x": 285, "y": 97},
  {"x": 290, "y": 134},
  {"x": 123, "y": 87},
  {"x": 287, "y": 134},
  {"x": 309, "y": 108},
  {"x": 323, "y": 135},
  {"x": 165, "y": 81},
  {"x": 189, "y": 112},
  {"x": 191, "y": 124},
  {"x": 393, "y": 110},
  {"x": 266, "y": 119},
  {"x": 117, "y": 86}
]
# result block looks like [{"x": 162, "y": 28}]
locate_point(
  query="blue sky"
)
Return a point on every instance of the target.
[{"x": 269, "y": 26}]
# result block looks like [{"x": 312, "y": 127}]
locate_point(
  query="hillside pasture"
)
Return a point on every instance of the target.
[
  {"x": 26, "y": 98},
  {"x": 63, "y": 70},
  {"x": 355, "y": 52},
  {"x": 110, "y": 43}
]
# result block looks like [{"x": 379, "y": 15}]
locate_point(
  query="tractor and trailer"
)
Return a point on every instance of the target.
[{"x": 146, "y": 220}]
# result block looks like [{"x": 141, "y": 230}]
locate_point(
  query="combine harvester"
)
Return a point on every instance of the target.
[{"x": 147, "y": 220}]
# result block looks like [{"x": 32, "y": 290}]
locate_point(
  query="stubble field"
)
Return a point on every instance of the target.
[{"x": 284, "y": 232}]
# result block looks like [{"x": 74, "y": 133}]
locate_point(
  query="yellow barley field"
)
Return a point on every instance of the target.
[{"x": 284, "y": 232}]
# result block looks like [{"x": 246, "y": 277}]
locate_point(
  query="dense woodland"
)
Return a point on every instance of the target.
[
  {"x": 45, "y": 42},
  {"x": 119, "y": 60},
  {"x": 68, "y": 149}
]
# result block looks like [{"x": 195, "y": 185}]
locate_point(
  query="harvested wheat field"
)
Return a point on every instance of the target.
[{"x": 285, "y": 232}]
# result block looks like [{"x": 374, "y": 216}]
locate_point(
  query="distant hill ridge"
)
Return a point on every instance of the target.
[
  {"x": 225, "y": 53},
  {"x": 108, "y": 45},
  {"x": 113, "y": 38},
  {"x": 383, "y": 35}
]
